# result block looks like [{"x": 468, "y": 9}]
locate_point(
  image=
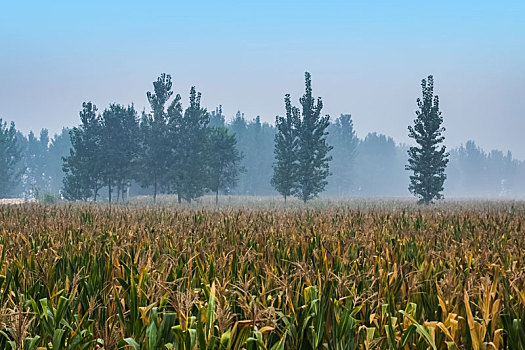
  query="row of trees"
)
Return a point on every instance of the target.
[
  {"x": 302, "y": 153},
  {"x": 118, "y": 151},
  {"x": 170, "y": 149}
]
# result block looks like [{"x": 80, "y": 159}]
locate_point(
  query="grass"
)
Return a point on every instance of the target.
[{"x": 336, "y": 275}]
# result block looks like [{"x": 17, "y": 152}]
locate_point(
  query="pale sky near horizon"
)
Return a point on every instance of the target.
[{"x": 366, "y": 58}]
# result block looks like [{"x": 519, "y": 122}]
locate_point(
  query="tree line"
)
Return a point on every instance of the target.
[
  {"x": 119, "y": 152},
  {"x": 171, "y": 150},
  {"x": 302, "y": 152}
]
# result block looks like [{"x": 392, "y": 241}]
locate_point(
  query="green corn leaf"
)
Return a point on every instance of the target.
[
  {"x": 420, "y": 329},
  {"x": 406, "y": 335},
  {"x": 130, "y": 342},
  {"x": 59, "y": 339},
  {"x": 151, "y": 334}
]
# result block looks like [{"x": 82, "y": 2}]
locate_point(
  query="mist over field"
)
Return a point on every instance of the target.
[
  {"x": 262, "y": 175},
  {"x": 366, "y": 63},
  {"x": 374, "y": 166}
]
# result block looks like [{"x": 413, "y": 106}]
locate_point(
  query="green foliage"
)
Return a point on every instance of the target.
[
  {"x": 427, "y": 160},
  {"x": 217, "y": 119},
  {"x": 83, "y": 166},
  {"x": 301, "y": 151},
  {"x": 312, "y": 148},
  {"x": 37, "y": 164},
  {"x": 223, "y": 160},
  {"x": 191, "y": 152},
  {"x": 157, "y": 136},
  {"x": 255, "y": 141},
  {"x": 286, "y": 144},
  {"x": 9, "y": 157},
  {"x": 168, "y": 150},
  {"x": 120, "y": 145},
  {"x": 343, "y": 139}
]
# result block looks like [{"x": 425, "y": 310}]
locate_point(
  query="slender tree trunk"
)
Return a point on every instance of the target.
[
  {"x": 217, "y": 197},
  {"x": 284, "y": 199},
  {"x": 154, "y": 188},
  {"x": 179, "y": 197},
  {"x": 109, "y": 190}
]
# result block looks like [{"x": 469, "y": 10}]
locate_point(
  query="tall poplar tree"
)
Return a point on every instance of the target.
[
  {"x": 223, "y": 163},
  {"x": 285, "y": 165},
  {"x": 427, "y": 160},
  {"x": 37, "y": 177},
  {"x": 190, "y": 153},
  {"x": 58, "y": 148},
  {"x": 312, "y": 148},
  {"x": 345, "y": 142},
  {"x": 120, "y": 145},
  {"x": 84, "y": 166},
  {"x": 157, "y": 140},
  {"x": 10, "y": 155}
]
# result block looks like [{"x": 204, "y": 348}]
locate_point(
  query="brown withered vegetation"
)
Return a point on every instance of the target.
[{"x": 332, "y": 276}]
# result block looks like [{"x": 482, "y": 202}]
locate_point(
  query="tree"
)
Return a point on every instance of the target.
[
  {"x": 190, "y": 152},
  {"x": 343, "y": 138},
  {"x": 258, "y": 157},
  {"x": 285, "y": 165},
  {"x": 217, "y": 118},
  {"x": 10, "y": 156},
  {"x": 255, "y": 141},
  {"x": 37, "y": 177},
  {"x": 379, "y": 169},
  {"x": 58, "y": 148},
  {"x": 157, "y": 136},
  {"x": 312, "y": 148},
  {"x": 427, "y": 160},
  {"x": 84, "y": 166},
  {"x": 223, "y": 161},
  {"x": 119, "y": 141}
]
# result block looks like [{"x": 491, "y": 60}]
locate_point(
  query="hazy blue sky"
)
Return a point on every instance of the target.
[{"x": 366, "y": 58}]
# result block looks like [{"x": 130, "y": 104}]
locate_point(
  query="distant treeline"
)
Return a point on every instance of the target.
[{"x": 190, "y": 152}]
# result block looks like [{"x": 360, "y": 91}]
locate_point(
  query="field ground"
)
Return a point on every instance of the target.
[
  {"x": 15, "y": 201},
  {"x": 334, "y": 275}
]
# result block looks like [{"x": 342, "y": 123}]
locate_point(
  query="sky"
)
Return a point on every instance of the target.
[{"x": 367, "y": 58}]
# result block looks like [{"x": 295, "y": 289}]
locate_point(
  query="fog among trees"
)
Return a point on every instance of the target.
[{"x": 181, "y": 148}]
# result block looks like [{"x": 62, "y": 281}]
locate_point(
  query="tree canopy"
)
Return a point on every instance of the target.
[{"x": 427, "y": 160}]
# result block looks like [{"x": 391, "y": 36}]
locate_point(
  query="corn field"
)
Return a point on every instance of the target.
[{"x": 328, "y": 277}]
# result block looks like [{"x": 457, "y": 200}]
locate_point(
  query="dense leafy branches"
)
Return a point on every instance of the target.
[
  {"x": 190, "y": 172},
  {"x": 84, "y": 166},
  {"x": 10, "y": 155},
  {"x": 223, "y": 161},
  {"x": 305, "y": 163},
  {"x": 428, "y": 159},
  {"x": 285, "y": 166},
  {"x": 168, "y": 150},
  {"x": 344, "y": 140},
  {"x": 119, "y": 143},
  {"x": 157, "y": 139}
]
